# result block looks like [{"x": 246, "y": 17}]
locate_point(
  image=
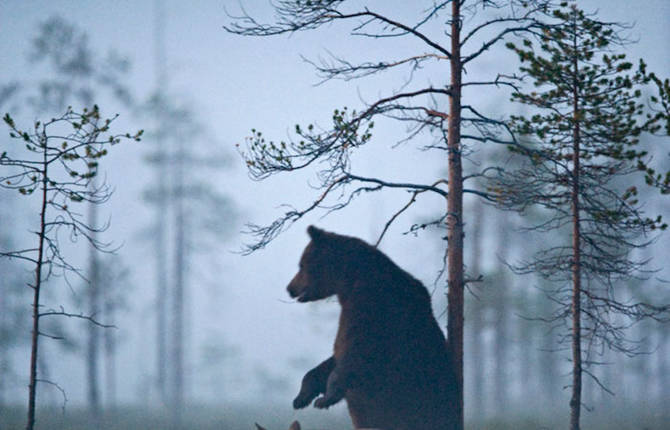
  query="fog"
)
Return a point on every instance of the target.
[{"x": 246, "y": 341}]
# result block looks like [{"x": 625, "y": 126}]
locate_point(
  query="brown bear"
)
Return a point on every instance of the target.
[{"x": 390, "y": 360}]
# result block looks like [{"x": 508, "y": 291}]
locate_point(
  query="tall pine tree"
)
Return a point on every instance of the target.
[{"x": 581, "y": 154}]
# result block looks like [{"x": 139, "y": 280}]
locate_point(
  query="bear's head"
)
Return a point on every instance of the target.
[{"x": 325, "y": 267}]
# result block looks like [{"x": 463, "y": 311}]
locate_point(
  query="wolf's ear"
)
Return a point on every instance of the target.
[
  {"x": 315, "y": 233},
  {"x": 294, "y": 426}
]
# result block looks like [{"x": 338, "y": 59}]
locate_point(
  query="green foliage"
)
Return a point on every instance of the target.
[
  {"x": 581, "y": 85},
  {"x": 662, "y": 102},
  {"x": 349, "y": 130},
  {"x": 77, "y": 152},
  {"x": 60, "y": 157},
  {"x": 609, "y": 86},
  {"x": 580, "y": 145},
  {"x": 60, "y": 161},
  {"x": 581, "y": 162}
]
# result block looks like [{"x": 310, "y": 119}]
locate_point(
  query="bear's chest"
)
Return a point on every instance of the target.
[{"x": 367, "y": 331}]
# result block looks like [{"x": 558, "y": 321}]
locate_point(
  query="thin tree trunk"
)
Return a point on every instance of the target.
[
  {"x": 527, "y": 351},
  {"x": 178, "y": 333},
  {"x": 6, "y": 304},
  {"x": 178, "y": 292},
  {"x": 501, "y": 364},
  {"x": 161, "y": 212},
  {"x": 476, "y": 327},
  {"x": 576, "y": 399},
  {"x": 4, "y": 367},
  {"x": 93, "y": 345},
  {"x": 32, "y": 386},
  {"x": 549, "y": 368},
  {"x": 161, "y": 293},
  {"x": 455, "y": 217},
  {"x": 663, "y": 355},
  {"x": 110, "y": 354},
  {"x": 500, "y": 304}
]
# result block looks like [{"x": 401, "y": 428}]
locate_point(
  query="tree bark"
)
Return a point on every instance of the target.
[
  {"x": 93, "y": 345},
  {"x": 178, "y": 290},
  {"x": 499, "y": 299},
  {"x": 161, "y": 211},
  {"x": 32, "y": 386},
  {"x": 576, "y": 399},
  {"x": 454, "y": 219},
  {"x": 663, "y": 355},
  {"x": 110, "y": 353},
  {"x": 477, "y": 315},
  {"x": 161, "y": 306}
]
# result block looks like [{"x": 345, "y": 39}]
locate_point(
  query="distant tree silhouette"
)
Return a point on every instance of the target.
[{"x": 54, "y": 162}]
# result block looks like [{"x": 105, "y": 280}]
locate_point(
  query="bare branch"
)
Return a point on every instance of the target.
[
  {"x": 410, "y": 186},
  {"x": 63, "y": 313},
  {"x": 58, "y": 387},
  {"x": 403, "y": 209},
  {"x": 294, "y": 16},
  {"x": 266, "y": 234},
  {"x": 339, "y": 68}
]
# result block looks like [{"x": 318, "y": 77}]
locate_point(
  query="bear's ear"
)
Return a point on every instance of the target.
[{"x": 315, "y": 233}]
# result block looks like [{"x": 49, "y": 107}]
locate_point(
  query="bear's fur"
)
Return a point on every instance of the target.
[{"x": 390, "y": 358}]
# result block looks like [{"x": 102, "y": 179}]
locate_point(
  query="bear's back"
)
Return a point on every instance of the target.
[{"x": 405, "y": 380}]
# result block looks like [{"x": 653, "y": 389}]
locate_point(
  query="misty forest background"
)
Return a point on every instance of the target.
[{"x": 206, "y": 336}]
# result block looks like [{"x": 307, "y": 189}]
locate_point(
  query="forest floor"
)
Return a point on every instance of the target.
[{"x": 243, "y": 417}]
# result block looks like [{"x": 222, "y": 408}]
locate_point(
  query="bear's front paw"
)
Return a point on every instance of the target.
[
  {"x": 303, "y": 399},
  {"x": 323, "y": 403},
  {"x": 326, "y": 401},
  {"x": 335, "y": 389}
]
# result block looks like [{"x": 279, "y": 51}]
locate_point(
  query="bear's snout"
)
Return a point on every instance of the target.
[
  {"x": 292, "y": 291},
  {"x": 297, "y": 289}
]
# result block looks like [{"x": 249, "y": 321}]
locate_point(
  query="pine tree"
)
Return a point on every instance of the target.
[
  {"x": 54, "y": 163},
  {"x": 582, "y": 147}
]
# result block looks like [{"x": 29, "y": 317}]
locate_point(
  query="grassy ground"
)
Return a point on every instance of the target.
[
  {"x": 243, "y": 417},
  {"x": 195, "y": 418}
]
